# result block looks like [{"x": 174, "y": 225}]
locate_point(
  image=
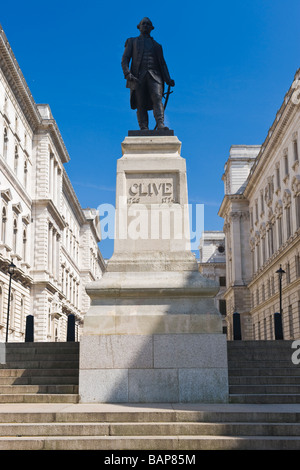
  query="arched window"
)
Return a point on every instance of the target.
[
  {"x": 5, "y": 142},
  {"x": 16, "y": 159},
  {"x": 25, "y": 174},
  {"x": 288, "y": 221},
  {"x": 15, "y": 235},
  {"x": 24, "y": 243},
  {"x": 3, "y": 224},
  {"x": 22, "y": 319},
  {"x": 12, "y": 309}
]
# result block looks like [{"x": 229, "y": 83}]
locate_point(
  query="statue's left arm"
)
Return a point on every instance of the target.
[{"x": 165, "y": 71}]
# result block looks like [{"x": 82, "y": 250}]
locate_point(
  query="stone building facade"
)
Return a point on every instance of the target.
[
  {"x": 261, "y": 212},
  {"x": 212, "y": 264},
  {"x": 51, "y": 240}
]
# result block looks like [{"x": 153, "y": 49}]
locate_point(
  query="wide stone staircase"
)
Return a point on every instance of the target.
[
  {"x": 263, "y": 410},
  {"x": 96, "y": 427},
  {"x": 40, "y": 373},
  {"x": 263, "y": 372}
]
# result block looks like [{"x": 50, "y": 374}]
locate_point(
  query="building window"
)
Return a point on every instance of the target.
[
  {"x": 278, "y": 177},
  {"x": 24, "y": 244},
  {"x": 295, "y": 147},
  {"x": 222, "y": 306},
  {"x": 3, "y": 224},
  {"x": 288, "y": 221},
  {"x": 279, "y": 231},
  {"x": 25, "y": 174},
  {"x": 22, "y": 320},
  {"x": 288, "y": 274},
  {"x": 5, "y": 143},
  {"x": 15, "y": 235},
  {"x": 12, "y": 308},
  {"x": 290, "y": 314},
  {"x": 222, "y": 281},
  {"x": 262, "y": 203},
  {"x": 271, "y": 240},
  {"x": 286, "y": 165},
  {"x": 258, "y": 256},
  {"x": 263, "y": 248},
  {"x": 16, "y": 159},
  {"x": 63, "y": 279}
]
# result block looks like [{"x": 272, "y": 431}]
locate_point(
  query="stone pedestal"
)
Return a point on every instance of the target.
[{"x": 152, "y": 333}]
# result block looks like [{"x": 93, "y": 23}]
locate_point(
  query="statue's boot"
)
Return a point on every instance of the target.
[
  {"x": 143, "y": 119},
  {"x": 158, "y": 112}
]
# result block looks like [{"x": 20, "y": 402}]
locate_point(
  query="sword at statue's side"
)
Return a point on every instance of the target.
[{"x": 166, "y": 99}]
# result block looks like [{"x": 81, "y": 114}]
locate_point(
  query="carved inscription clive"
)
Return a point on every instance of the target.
[{"x": 151, "y": 189}]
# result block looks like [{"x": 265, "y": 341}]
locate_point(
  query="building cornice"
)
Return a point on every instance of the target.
[
  {"x": 17, "y": 82},
  {"x": 228, "y": 198},
  {"x": 283, "y": 117}
]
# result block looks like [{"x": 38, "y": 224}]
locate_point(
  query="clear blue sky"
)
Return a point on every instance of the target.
[{"x": 232, "y": 62}]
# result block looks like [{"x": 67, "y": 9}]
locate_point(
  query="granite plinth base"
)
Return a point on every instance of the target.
[
  {"x": 166, "y": 368},
  {"x": 153, "y": 337}
]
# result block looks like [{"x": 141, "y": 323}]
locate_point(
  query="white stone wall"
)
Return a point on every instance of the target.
[
  {"x": 44, "y": 230},
  {"x": 262, "y": 227}
]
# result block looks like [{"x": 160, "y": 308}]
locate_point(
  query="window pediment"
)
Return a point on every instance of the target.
[
  {"x": 17, "y": 208},
  {"x": 6, "y": 195}
]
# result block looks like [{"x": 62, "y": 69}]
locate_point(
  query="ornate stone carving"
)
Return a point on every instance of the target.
[
  {"x": 286, "y": 199},
  {"x": 278, "y": 208},
  {"x": 296, "y": 185}
]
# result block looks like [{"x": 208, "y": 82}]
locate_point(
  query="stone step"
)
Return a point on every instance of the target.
[
  {"x": 42, "y": 348},
  {"x": 222, "y": 429},
  {"x": 39, "y": 398},
  {"x": 264, "y": 398},
  {"x": 256, "y": 371},
  {"x": 149, "y": 429},
  {"x": 259, "y": 344},
  {"x": 264, "y": 380},
  {"x": 45, "y": 344},
  {"x": 39, "y": 372},
  {"x": 44, "y": 364},
  {"x": 20, "y": 389},
  {"x": 266, "y": 389},
  {"x": 29, "y": 357},
  {"x": 238, "y": 356},
  {"x": 263, "y": 364},
  {"x": 50, "y": 380},
  {"x": 222, "y": 415},
  {"x": 135, "y": 443}
]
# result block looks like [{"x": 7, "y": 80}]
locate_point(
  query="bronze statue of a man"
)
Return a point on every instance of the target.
[{"x": 146, "y": 76}]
